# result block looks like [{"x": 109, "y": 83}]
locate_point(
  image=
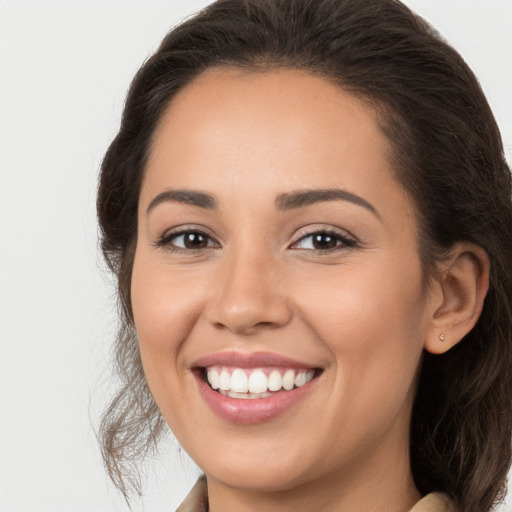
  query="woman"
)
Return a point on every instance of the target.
[{"x": 308, "y": 211}]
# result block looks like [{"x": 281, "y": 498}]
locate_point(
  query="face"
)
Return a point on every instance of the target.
[{"x": 277, "y": 261}]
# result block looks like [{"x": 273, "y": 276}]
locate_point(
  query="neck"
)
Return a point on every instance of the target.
[{"x": 387, "y": 487}]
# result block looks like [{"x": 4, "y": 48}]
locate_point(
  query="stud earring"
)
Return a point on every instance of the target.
[{"x": 442, "y": 336}]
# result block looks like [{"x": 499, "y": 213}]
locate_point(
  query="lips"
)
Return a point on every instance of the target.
[{"x": 252, "y": 388}]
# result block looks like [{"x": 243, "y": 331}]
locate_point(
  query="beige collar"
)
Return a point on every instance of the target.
[
  {"x": 197, "y": 501},
  {"x": 434, "y": 502}
]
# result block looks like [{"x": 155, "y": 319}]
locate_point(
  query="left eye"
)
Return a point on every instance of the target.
[{"x": 323, "y": 241}]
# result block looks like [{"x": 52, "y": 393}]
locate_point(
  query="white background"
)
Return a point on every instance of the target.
[{"x": 64, "y": 70}]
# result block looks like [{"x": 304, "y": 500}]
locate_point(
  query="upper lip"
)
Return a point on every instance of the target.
[{"x": 248, "y": 360}]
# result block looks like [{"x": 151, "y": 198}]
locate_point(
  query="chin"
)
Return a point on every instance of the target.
[
  {"x": 263, "y": 468},
  {"x": 266, "y": 479}
]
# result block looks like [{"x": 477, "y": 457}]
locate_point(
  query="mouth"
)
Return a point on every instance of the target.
[
  {"x": 243, "y": 388},
  {"x": 255, "y": 383}
]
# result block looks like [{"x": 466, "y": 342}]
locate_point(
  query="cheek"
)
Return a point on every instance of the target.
[
  {"x": 357, "y": 298},
  {"x": 372, "y": 327},
  {"x": 165, "y": 310},
  {"x": 372, "y": 322}
]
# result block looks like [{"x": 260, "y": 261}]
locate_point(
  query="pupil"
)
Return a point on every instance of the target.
[
  {"x": 324, "y": 241},
  {"x": 195, "y": 240}
]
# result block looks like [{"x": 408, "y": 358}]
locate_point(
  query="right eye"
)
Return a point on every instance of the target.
[{"x": 190, "y": 240}]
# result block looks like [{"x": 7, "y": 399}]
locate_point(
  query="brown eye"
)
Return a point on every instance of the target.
[
  {"x": 195, "y": 240},
  {"x": 324, "y": 241},
  {"x": 189, "y": 240}
]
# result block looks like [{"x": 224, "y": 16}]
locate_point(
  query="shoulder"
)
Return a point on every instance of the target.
[{"x": 197, "y": 498}]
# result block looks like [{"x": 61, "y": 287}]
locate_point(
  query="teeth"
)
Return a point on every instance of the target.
[
  {"x": 258, "y": 382},
  {"x": 247, "y": 384},
  {"x": 239, "y": 382},
  {"x": 289, "y": 380},
  {"x": 245, "y": 396},
  {"x": 213, "y": 378},
  {"x": 225, "y": 381},
  {"x": 300, "y": 379},
  {"x": 275, "y": 381}
]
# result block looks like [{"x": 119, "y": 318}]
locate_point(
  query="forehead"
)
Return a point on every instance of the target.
[{"x": 267, "y": 132}]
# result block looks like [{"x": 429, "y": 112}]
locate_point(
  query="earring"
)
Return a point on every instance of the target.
[{"x": 442, "y": 336}]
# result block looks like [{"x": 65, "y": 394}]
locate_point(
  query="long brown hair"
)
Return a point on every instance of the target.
[{"x": 448, "y": 155}]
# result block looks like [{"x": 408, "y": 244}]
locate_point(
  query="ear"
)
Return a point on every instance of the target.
[{"x": 460, "y": 289}]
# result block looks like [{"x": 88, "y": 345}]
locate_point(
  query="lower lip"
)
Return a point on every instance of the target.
[{"x": 251, "y": 411}]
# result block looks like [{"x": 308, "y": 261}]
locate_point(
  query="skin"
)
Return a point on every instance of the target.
[{"x": 358, "y": 311}]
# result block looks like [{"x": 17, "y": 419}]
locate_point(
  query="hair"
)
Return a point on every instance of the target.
[{"x": 447, "y": 154}]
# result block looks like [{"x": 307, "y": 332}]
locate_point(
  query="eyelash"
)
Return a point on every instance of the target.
[{"x": 164, "y": 242}]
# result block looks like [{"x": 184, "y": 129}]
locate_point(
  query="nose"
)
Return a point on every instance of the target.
[{"x": 250, "y": 295}]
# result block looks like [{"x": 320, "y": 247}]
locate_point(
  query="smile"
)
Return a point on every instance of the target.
[
  {"x": 247, "y": 383},
  {"x": 253, "y": 388}
]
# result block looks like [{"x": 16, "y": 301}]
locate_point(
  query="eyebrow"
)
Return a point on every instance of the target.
[
  {"x": 283, "y": 202},
  {"x": 191, "y": 197},
  {"x": 301, "y": 198}
]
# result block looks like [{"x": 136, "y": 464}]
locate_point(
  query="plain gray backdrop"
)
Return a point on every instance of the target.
[{"x": 64, "y": 70}]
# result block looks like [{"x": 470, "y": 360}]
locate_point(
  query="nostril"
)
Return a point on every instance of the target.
[{"x": 246, "y": 328}]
